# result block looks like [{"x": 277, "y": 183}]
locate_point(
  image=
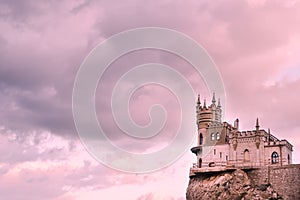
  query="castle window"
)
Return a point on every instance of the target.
[
  {"x": 200, "y": 163},
  {"x": 220, "y": 154},
  {"x": 275, "y": 157},
  {"x": 214, "y": 152},
  {"x": 217, "y": 136},
  {"x": 289, "y": 159},
  {"x": 212, "y": 136},
  {"x": 201, "y": 139},
  {"x": 246, "y": 155},
  {"x": 226, "y": 138}
]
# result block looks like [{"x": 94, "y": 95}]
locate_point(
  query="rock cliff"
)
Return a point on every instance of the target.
[{"x": 234, "y": 185}]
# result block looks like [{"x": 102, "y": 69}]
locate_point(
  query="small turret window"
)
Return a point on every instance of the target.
[
  {"x": 275, "y": 157},
  {"x": 217, "y": 136},
  {"x": 201, "y": 139},
  {"x": 212, "y": 136}
]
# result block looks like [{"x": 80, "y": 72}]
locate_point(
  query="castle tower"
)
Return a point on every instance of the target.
[{"x": 207, "y": 117}]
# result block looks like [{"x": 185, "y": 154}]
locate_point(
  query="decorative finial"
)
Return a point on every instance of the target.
[
  {"x": 219, "y": 103},
  {"x": 198, "y": 102},
  {"x": 213, "y": 99},
  {"x": 204, "y": 103},
  {"x": 257, "y": 124},
  {"x": 269, "y": 132}
]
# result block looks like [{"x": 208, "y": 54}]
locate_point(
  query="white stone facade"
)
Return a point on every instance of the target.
[{"x": 222, "y": 145}]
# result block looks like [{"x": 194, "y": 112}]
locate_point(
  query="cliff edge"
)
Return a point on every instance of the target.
[{"x": 230, "y": 185}]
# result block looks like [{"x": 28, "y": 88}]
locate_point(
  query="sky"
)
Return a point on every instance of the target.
[{"x": 254, "y": 44}]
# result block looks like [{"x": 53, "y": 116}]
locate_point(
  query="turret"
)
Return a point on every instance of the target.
[
  {"x": 213, "y": 101},
  {"x": 208, "y": 114},
  {"x": 257, "y": 134},
  {"x": 236, "y": 124},
  {"x": 257, "y": 125},
  {"x": 219, "y": 112},
  {"x": 219, "y": 103},
  {"x": 198, "y": 101},
  {"x": 198, "y": 107},
  {"x": 205, "y": 116},
  {"x": 213, "y": 107}
]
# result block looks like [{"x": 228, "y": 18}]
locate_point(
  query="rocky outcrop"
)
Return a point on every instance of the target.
[{"x": 234, "y": 185}]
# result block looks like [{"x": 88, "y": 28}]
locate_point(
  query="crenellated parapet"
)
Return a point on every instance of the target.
[{"x": 208, "y": 114}]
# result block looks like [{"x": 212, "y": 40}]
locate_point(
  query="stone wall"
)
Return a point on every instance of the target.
[{"x": 284, "y": 179}]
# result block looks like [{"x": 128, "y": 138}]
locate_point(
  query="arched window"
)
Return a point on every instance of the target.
[
  {"x": 246, "y": 155},
  {"x": 275, "y": 157},
  {"x": 212, "y": 136},
  {"x": 217, "y": 136},
  {"x": 289, "y": 159},
  {"x": 201, "y": 139}
]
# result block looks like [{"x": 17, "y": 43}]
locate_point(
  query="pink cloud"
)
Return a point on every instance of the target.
[{"x": 255, "y": 45}]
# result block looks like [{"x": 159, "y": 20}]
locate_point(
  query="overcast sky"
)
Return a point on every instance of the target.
[{"x": 255, "y": 45}]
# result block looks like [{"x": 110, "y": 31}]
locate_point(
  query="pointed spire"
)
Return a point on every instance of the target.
[
  {"x": 269, "y": 132},
  {"x": 257, "y": 124},
  {"x": 213, "y": 99},
  {"x": 204, "y": 103},
  {"x": 219, "y": 103},
  {"x": 198, "y": 101}
]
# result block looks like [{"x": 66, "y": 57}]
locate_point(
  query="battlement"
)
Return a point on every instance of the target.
[
  {"x": 279, "y": 143},
  {"x": 205, "y": 108},
  {"x": 206, "y": 114},
  {"x": 246, "y": 133}
]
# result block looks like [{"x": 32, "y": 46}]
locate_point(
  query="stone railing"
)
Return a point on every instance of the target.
[
  {"x": 211, "y": 164},
  {"x": 238, "y": 164}
]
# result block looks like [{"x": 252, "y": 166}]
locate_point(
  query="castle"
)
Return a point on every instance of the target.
[{"x": 222, "y": 146}]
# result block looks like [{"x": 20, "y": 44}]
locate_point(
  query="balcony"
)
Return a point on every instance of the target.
[
  {"x": 196, "y": 149},
  {"x": 213, "y": 167}
]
